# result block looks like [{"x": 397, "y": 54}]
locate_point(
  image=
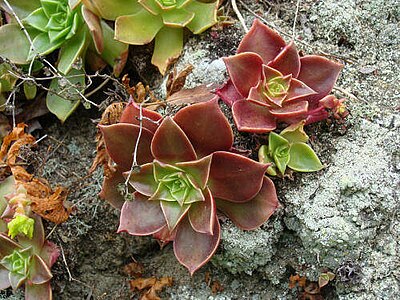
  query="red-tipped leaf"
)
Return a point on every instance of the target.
[
  {"x": 252, "y": 117},
  {"x": 131, "y": 115},
  {"x": 110, "y": 191},
  {"x": 228, "y": 93},
  {"x": 288, "y": 61},
  {"x": 144, "y": 181},
  {"x": 173, "y": 212},
  {"x": 39, "y": 271},
  {"x": 198, "y": 170},
  {"x": 38, "y": 291},
  {"x": 202, "y": 214}
]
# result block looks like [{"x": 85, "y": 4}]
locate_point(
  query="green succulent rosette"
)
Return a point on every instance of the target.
[
  {"x": 139, "y": 22},
  {"x": 289, "y": 150}
]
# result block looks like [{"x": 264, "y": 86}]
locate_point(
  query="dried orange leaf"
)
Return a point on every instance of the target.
[
  {"x": 152, "y": 284},
  {"x": 176, "y": 81},
  {"x": 134, "y": 269}
]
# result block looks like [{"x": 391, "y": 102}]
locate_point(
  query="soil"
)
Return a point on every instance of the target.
[{"x": 94, "y": 256}]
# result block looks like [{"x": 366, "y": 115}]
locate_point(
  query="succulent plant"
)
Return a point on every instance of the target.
[
  {"x": 139, "y": 22},
  {"x": 70, "y": 27},
  {"x": 28, "y": 262},
  {"x": 270, "y": 83},
  {"x": 190, "y": 175},
  {"x": 289, "y": 149}
]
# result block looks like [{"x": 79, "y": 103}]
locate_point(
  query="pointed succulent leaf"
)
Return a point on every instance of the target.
[
  {"x": 162, "y": 170},
  {"x": 16, "y": 280},
  {"x": 303, "y": 158},
  {"x": 4, "y": 279},
  {"x": 319, "y": 73},
  {"x": 49, "y": 253},
  {"x": 291, "y": 111},
  {"x": 262, "y": 40},
  {"x": 164, "y": 235},
  {"x": 265, "y": 158},
  {"x": 38, "y": 19},
  {"x": 110, "y": 191},
  {"x": 146, "y": 27},
  {"x": 202, "y": 214},
  {"x": 18, "y": 263},
  {"x": 279, "y": 149},
  {"x": 120, "y": 140},
  {"x": 295, "y": 133},
  {"x": 287, "y": 61},
  {"x": 22, "y": 8},
  {"x": 205, "y": 15},
  {"x": 234, "y": 177},
  {"x": 244, "y": 70},
  {"x": 170, "y": 144},
  {"x": 16, "y": 49},
  {"x": 43, "y": 45},
  {"x": 252, "y": 117},
  {"x": 39, "y": 272},
  {"x": 93, "y": 22},
  {"x": 7, "y": 245},
  {"x": 38, "y": 291},
  {"x": 37, "y": 241},
  {"x": 193, "y": 249},
  {"x": 131, "y": 114},
  {"x": 252, "y": 214},
  {"x": 151, "y": 5},
  {"x": 297, "y": 90},
  {"x": 198, "y": 171},
  {"x": 228, "y": 93},
  {"x": 71, "y": 50},
  {"x": 174, "y": 212},
  {"x": 141, "y": 217},
  {"x": 7, "y": 186},
  {"x": 65, "y": 104},
  {"x": 144, "y": 181},
  {"x": 178, "y": 17},
  {"x": 206, "y": 127},
  {"x": 167, "y": 47},
  {"x": 111, "y": 9}
]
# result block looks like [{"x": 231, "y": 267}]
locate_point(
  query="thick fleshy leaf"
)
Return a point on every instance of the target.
[
  {"x": 202, "y": 214},
  {"x": 198, "y": 170},
  {"x": 265, "y": 158},
  {"x": 39, "y": 271},
  {"x": 7, "y": 245},
  {"x": 114, "y": 53},
  {"x": 178, "y": 17},
  {"x": 252, "y": 117},
  {"x": 303, "y": 158},
  {"x": 144, "y": 181},
  {"x": 141, "y": 217},
  {"x": 137, "y": 29},
  {"x": 290, "y": 111},
  {"x": 244, "y": 70},
  {"x": 288, "y": 61},
  {"x": 228, "y": 93},
  {"x": 206, "y": 127},
  {"x": 205, "y": 15},
  {"x": 173, "y": 212},
  {"x": 295, "y": 133},
  {"x": 22, "y": 8},
  {"x": 320, "y": 74},
  {"x": 49, "y": 253},
  {"x": 14, "y": 45},
  {"x": 110, "y": 191},
  {"x": 193, "y": 249},
  {"x": 262, "y": 40},
  {"x": 38, "y": 236},
  {"x": 279, "y": 150},
  {"x": 7, "y": 186},
  {"x": 151, "y": 5},
  {"x": 234, "y": 177},
  {"x": 16, "y": 280},
  {"x": 111, "y": 9},
  {"x": 64, "y": 106},
  {"x": 252, "y": 214},
  {"x": 170, "y": 144},
  {"x": 298, "y": 90},
  {"x": 131, "y": 114},
  {"x": 71, "y": 50},
  {"x": 164, "y": 235},
  {"x": 93, "y": 22},
  {"x": 43, "y": 46},
  {"x": 4, "y": 281},
  {"x": 37, "y": 19},
  {"x": 38, "y": 291},
  {"x": 167, "y": 47},
  {"x": 120, "y": 140}
]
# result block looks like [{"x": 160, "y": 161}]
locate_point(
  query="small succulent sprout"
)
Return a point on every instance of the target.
[
  {"x": 21, "y": 224},
  {"x": 289, "y": 149},
  {"x": 28, "y": 262},
  {"x": 270, "y": 83},
  {"x": 190, "y": 175},
  {"x": 139, "y": 22}
]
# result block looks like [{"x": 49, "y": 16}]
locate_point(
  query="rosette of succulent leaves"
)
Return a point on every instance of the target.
[
  {"x": 187, "y": 172},
  {"x": 81, "y": 37},
  {"x": 26, "y": 257},
  {"x": 138, "y": 22},
  {"x": 270, "y": 83}
]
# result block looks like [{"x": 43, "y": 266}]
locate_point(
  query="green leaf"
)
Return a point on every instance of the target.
[
  {"x": 30, "y": 90},
  {"x": 303, "y": 158},
  {"x": 22, "y": 8},
  {"x": 63, "y": 106},
  {"x": 151, "y": 5},
  {"x": 111, "y": 9},
  {"x": 137, "y": 29},
  {"x": 263, "y": 157},
  {"x": 177, "y": 17},
  {"x": 205, "y": 15},
  {"x": 43, "y": 45},
  {"x": 295, "y": 133},
  {"x": 71, "y": 50},
  {"x": 21, "y": 224},
  {"x": 14, "y": 45},
  {"x": 279, "y": 150},
  {"x": 168, "y": 46}
]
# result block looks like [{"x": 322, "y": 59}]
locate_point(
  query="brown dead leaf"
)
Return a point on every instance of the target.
[
  {"x": 134, "y": 269},
  {"x": 295, "y": 280},
  {"x": 215, "y": 285},
  {"x": 176, "y": 81},
  {"x": 45, "y": 202},
  {"x": 153, "y": 285}
]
